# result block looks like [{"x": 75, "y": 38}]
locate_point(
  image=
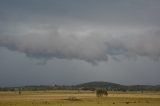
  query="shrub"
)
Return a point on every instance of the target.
[{"x": 101, "y": 92}]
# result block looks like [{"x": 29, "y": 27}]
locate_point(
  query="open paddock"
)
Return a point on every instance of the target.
[{"x": 79, "y": 98}]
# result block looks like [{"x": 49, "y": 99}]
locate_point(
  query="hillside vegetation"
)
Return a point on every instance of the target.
[{"x": 86, "y": 86}]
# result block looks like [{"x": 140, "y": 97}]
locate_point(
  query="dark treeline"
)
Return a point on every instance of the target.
[
  {"x": 38, "y": 88},
  {"x": 92, "y": 86}
]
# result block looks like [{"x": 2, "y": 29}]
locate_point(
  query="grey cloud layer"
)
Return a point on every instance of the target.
[
  {"x": 86, "y": 30},
  {"x": 91, "y": 46}
]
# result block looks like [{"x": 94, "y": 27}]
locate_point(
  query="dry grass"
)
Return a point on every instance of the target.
[{"x": 60, "y": 98}]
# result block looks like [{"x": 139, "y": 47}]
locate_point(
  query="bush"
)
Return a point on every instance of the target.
[{"x": 101, "y": 92}]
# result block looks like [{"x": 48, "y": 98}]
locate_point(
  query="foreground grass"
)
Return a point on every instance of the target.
[{"x": 60, "y": 98}]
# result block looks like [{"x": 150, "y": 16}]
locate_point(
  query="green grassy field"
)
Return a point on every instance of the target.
[{"x": 83, "y": 98}]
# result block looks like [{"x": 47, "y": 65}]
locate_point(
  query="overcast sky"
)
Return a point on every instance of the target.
[{"x": 47, "y": 42}]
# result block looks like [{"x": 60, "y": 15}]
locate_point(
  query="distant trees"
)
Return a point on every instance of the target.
[{"x": 101, "y": 92}]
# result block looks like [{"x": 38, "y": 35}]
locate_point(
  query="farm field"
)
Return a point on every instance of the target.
[{"x": 80, "y": 98}]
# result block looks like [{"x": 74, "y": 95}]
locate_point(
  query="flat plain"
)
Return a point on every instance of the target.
[{"x": 78, "y": 98}]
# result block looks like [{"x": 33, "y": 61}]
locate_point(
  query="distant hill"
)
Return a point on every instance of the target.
[
  {"x": 116, "y": 87},
  {"x": 99, "y": 84},
  {"x": 87, "y": 86}
]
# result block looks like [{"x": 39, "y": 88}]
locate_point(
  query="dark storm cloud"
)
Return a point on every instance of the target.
[
  {"x": 89, "y": 46},
  {"x": 86, "y": 30},
  {"x": 71, "y": 32}
]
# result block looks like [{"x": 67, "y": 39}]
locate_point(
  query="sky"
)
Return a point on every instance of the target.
[{"x": 67, "y": 42}]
